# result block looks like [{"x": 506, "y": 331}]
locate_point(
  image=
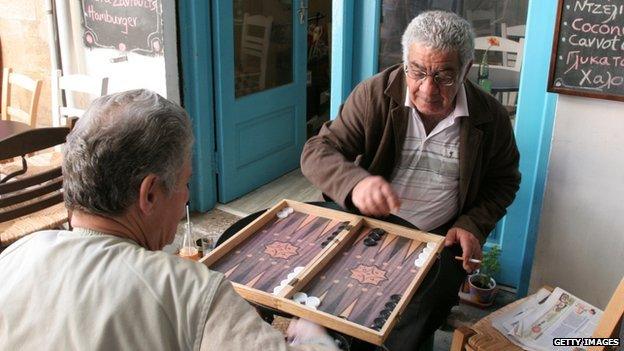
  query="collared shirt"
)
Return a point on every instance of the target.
[{"x": 426, "y": 178}]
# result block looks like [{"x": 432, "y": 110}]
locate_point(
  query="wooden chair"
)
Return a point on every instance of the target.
[
  {"x": 483, "y": 337},
  {"x": 612, "y": 322},
  {"x": 34, "y": 200},
  {"x": 69, "y": 84},
  {"x": 10, "y": 110},
  {"x": 251, "y": 77}
]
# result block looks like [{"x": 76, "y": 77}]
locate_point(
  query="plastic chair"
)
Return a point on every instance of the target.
[
  {"x": 512, "y": 32},
  {"x": 33, "y": 201},
  {"x": 10, "y": 111},
  {"x": 70, "y": 84},
  {"x": 505, "y": 46}
]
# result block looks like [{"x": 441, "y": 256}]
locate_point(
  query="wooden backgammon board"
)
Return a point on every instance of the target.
[{"x": 349, "y": 273}]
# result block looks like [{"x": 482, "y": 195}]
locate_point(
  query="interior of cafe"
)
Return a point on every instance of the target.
[{"x": 287, "y": 107}]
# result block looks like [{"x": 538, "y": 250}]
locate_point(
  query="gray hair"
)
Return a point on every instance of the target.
[
  {"x": 119, "y": 140},
  {"x": 440, "y": 30}
]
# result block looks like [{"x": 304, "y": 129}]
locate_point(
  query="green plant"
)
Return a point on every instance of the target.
[{"x": 489, "y": 267}]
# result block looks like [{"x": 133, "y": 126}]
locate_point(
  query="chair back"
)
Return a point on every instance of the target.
[
  {"x": 33, "y": 192},
  {"x": 63, "y": 97},
  {"x": 10, "y": 111},
  {"x": 506, "y": 46},
  {"x": 256, "y": 43},
  {"x": 612, "y": 321}
]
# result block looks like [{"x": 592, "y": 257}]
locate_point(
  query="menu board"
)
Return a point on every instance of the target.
[
  {"x": 125, "y": 25},
  {"x": 588, "y": 49}
]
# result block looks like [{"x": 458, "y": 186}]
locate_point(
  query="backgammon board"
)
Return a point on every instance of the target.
[{"x": 349, "y": 273}]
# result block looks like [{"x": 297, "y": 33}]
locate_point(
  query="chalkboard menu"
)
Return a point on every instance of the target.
[
  {"x": 125, "y": 25},
  {"x": 588, "y": 49}
]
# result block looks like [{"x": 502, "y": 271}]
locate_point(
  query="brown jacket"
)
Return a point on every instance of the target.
[{"x": 368, "y": 134}]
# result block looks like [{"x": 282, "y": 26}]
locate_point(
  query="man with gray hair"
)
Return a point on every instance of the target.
[
  {"x": 104, "y": 285},
  {"x": 420, "y": 141}
]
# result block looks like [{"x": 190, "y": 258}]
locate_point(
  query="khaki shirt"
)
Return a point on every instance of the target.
[{"x": 85, "y": 290}]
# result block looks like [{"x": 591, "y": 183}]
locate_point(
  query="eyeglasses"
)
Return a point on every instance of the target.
[{"x": 440, "y": 78}]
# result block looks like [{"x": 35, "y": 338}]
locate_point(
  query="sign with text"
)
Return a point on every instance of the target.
[
  {"x": 588, "y": 49},
  {"x": 125, "y": 25}
]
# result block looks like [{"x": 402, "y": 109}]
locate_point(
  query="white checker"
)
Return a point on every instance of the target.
[
  {"x": 284, "y": 282},
  {"x": 289, "y": 210},
  {"x": 312, "y": 301},
  {"x": 300, "y": 297},
  {"x": 298, "y": 269},
  {"x": 431, "y": 245},
  {"x": 282, "y": 215},
  {"x": 291, "y": 275},
  {"x": 277, "y": 289},
  {"x": 419, "y": 263},
  {"x": 427, "y": 250}
]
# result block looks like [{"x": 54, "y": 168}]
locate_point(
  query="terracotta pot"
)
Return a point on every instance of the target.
[{"x": 482, "y": 296}]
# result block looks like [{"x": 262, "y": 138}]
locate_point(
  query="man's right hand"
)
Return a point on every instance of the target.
[{"x": 374, "y": 196}]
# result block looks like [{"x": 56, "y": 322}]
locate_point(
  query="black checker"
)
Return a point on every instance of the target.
[
  {"x": 369, "y": 242},
  {"x": 395, "y": 298},
  {"x": 391, "y": 305},
  {"x": 385, "y": 313},
  {"x": 374, "y": 236},
  {"x": 379, "y": 322}
]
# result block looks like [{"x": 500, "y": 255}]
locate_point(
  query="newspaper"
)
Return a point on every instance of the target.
[{"x": 544, "y": 316}]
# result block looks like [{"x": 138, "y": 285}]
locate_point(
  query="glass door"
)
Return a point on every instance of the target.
[{"x": 260, "y": 91}]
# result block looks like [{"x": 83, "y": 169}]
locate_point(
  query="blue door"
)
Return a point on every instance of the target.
[{"x": 260, "y": 86}]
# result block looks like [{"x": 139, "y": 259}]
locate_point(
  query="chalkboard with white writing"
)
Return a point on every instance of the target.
[
  {"x": 125, "y": 25},
  {"x": 588, "y": 49}
]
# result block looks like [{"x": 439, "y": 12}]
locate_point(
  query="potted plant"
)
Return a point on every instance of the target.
[{"x": 482, "y": 283}]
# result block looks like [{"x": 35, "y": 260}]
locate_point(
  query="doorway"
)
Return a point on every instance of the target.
[{"x": 246, "y": 83}]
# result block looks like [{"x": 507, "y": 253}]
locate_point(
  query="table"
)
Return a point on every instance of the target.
[
  {"x": 504, "y": 79},
  {"x": 7, "y": 130},
  {"x": 10, "y": 128}
]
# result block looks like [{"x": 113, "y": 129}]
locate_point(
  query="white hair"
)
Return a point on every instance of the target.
[
  {"x": 119, "y": 140},
  {"x": 442, "y": 30}
]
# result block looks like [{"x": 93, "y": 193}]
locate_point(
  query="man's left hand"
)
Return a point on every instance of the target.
[{"x": 471, "y": 247}]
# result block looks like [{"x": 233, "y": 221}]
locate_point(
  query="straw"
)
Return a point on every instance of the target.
[{"x": 186, "y": 241}]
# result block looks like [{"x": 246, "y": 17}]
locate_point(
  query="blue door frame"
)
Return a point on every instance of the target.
[
  {"x": 355, "y": 48},
  {"x": 195, "y": 31}
]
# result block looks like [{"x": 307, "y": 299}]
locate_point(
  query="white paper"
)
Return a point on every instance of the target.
[{"x": 533, "y": 324}]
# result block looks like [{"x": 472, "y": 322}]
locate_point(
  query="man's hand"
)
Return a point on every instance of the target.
[
  {"x": 302, "y": 331},
  {"x": 471, "y": 247},
  {"x": 374, "y": 196}
]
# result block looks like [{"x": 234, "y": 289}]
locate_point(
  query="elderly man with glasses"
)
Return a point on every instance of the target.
[{"x": 420, "y": 141}]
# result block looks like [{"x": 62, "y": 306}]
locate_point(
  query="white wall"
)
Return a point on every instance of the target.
[{"x": 581, "y": 236}]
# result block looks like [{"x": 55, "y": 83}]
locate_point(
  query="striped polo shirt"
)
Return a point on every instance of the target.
[{"x": 426, "y": 178}]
